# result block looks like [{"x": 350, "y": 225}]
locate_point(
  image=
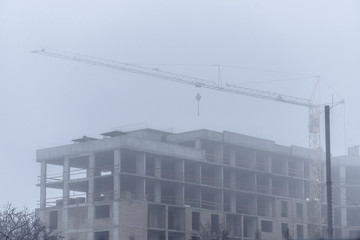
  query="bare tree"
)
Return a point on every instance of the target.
[
  {"x": 18, "y": 224},
  {"x": 210, "y": 233}
]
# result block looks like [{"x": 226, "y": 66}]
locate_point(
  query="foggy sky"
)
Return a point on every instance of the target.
[{"x": 47, "y": 102}]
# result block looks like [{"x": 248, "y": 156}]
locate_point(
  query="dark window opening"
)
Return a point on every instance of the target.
[
  {"x": 171, "y": 222},
  {"x": 195, "y": 221},
  {"x": 176, "y": 219},
  {"x": 102, "y": 235},
  {"x": 53, "y": 219},
  {"x": 300, "y": 232},
  {"x": 285, "y": 231},
  {"x": 284, "y": 209},
  {"x": 266, "y": 226},
  {"x": 299, "y": 210},
  {"x": 102, "y": 211},
  {"x": 214, "y": 223}
]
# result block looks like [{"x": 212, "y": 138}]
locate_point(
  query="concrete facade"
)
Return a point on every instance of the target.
[{"x": 150, "y": 184}]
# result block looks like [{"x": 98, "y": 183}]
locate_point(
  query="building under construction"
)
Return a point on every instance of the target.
[{"x": 157, "y": 185}]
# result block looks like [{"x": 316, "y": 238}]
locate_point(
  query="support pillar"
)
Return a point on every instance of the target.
[
  {"x": 117, "y": 170},
  {"x": 180, "y": 170},
  {"x": 43, "y": 185},
  {"x": 158, "y": 167},
  {"x": 43, "y": 190},
  {"x": 233, "y": 202},
  {"x": 140, "y": 164},
  {"x": 140, "y": 170},
  {"x": 66, "y": 195},
  {"x": 219, "y": 177},
  {"x": 91, "y": 177},
  {"x": 66, "y": 178},
  {"x": 91, "y": 191},
  {"x": 157, "y": 192},
  {"x": 343, "y": 203},
  {"x": 116, "y": 203},
  {"x": 140, "y": 189},
  {"x": 219, "y": 153},
  {"x": 232, "y": 156},
  {"x": 180, "y": 195}
]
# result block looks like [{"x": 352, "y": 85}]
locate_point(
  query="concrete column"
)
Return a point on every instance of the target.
[
  {"x": 198, "y": 173},
  {"x": 140, "y": 163},
  {"x": 343, "y": 203},
  {"x": 66, "y": 195},
  {"x": 140, "y": 189},
  {"x": 180, "y": 170},
  {"x": 232, "y": 156},
  {"x": 242, "y": 227},
  {"x": 180, "y": 195},
  {"x": 140, "y": 170},
  {"x": 117, "y": 170},
  {"x": 253, "y": 207},
  {"x": 116, "y": 222},
  {"x": 303, "y": 170},
  {"x": 219, "y": 153},
  {"x": 166, "y": 221},
  {"x": 91, "y": 191},
  {"x": 220, "y": 206},
  {"x": 233, "y": 202},
  {"x": 66, "y": 178},
  {"x": 157, "y": 192},
  {"x": 158, "y": 167},
  {"x": 219, "y": 177},
  {"x": 90, "y": 234},
  {"x": 115, "y": 234},
  {"x": 255, "y": 182},
  {"x": 43, "y": 190},
  {"x": 116, "y": 207},
  {"x": 43, "y": 185},
  {"x": 286, "y": 192},
  {"x": 270, "y": 163},
  {"x": 91, "y": 175}
]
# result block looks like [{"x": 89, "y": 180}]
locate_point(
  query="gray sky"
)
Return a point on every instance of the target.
[{"x": 275, "y": 45}]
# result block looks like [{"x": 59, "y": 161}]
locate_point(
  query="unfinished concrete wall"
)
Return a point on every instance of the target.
[
  {"x": 133, "y": 220},
  {"x": 77, "y": 236},
  {"x": 77, "y": 218}
]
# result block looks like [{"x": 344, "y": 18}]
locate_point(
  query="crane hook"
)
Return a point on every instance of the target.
[{"x": 198, "y": 97}]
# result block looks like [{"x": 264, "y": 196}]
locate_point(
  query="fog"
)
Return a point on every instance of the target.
[{"x": 279, "y": 46}]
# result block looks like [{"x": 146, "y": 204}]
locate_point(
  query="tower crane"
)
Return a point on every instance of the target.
[{"x": 314, "y": 111}]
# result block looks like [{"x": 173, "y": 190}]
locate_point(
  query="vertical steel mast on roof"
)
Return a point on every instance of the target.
[{"x": 314, "y": 111}]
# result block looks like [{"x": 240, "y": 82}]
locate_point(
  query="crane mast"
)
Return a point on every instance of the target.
[{"x": 314, "y": 112}]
